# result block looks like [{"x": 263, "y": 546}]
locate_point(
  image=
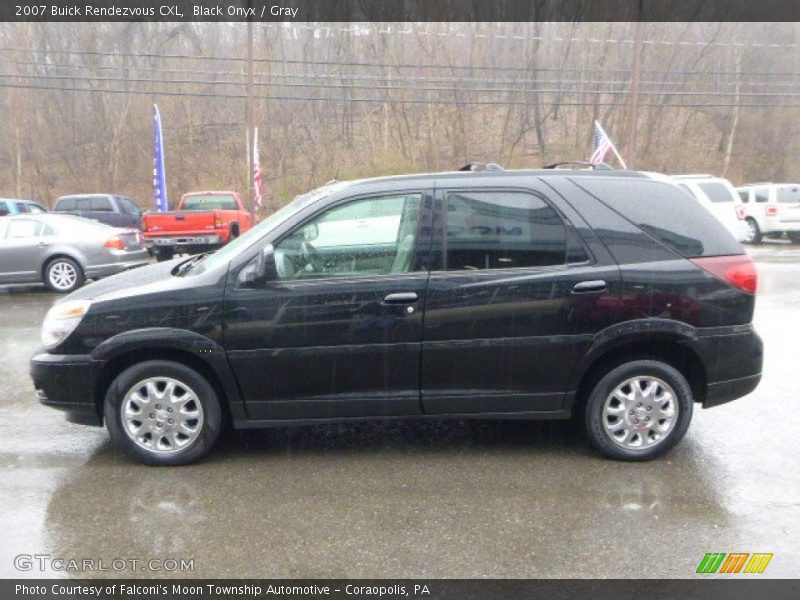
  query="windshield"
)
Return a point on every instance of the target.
[
  {"x": 209, "y": 202},
  {"x": 240, "y": 244},
  {"x": 789, "y": 194}
]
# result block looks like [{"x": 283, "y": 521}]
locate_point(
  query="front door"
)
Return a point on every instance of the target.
[
  {"x": 338, "y": 334},
  {"x": 515, "y": 300}
]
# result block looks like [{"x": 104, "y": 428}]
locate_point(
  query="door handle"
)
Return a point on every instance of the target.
[
  {"x": 587, "y": 287},
  {"x": 42, "y": 244},
  {"x": 402, "y": 298}
]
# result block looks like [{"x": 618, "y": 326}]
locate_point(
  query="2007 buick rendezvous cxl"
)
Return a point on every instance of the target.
[{"x": 609, "y": 296}]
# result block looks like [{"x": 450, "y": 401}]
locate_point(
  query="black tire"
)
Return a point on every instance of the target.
[
  {"x": 595, "y": 404},
  {"x": 234, "y": 233},
  {"x": 164, "y": 254},
  {"x": 55, "y": 272},
  {"x": 794, "y": 236},
  {"x": 208, "y": 427},
  {"x": 754, "y": 235}
]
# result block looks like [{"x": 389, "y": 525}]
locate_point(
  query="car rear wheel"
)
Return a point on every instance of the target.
[
  {"x": 163, "y": 413},
  {"x": 639, "y": 410},
  {"x": 164, "y": 254},
  {"x": 752, "y": 232},
  {"x": 63, "y": 275}
]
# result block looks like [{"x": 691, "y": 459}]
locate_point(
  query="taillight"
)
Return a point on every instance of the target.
[
  {"x": 740, "y": 212},
  {"x": 739, "y": 270},
  {"x": 114, "y": 243},
  {"x": 217, "y": 221},
  {"x": 144, "y": 225},
  {"x": 771, "y": 210}
]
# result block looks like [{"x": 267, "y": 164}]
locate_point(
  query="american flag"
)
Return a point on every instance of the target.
[
  {"x": 601, "y": 144},
  {"x": 258, "y": 189}
]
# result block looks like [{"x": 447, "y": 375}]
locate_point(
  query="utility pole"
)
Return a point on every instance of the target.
[{"x": 633, "y": 113}]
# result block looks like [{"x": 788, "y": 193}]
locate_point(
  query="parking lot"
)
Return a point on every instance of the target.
[{"x": 413, "y": 499}]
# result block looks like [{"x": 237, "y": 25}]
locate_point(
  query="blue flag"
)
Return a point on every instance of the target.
[{"x": 159, "y": 172}]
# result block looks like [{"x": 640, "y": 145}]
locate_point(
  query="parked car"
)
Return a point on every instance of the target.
[
  {"x": 492, "y": 294},
  {"x": 117, "y": 211},
  {"x": 15, "y": 206},
  {"x": 63, "y": 251},
  {"x": 719, "y": 197},
  {"x": 771, "y": 209},
  {"x": 204, "y": 221}
]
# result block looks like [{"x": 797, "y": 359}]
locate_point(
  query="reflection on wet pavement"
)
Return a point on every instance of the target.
[{"x": 416, "y": 499}]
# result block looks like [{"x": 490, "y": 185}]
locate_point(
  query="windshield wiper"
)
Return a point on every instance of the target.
[{"x": 186, "y": 266}]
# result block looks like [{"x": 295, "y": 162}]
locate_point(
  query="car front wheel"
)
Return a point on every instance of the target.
[
  {"x": 163, "y": 413},
  {"x": 639, "y": 410}
]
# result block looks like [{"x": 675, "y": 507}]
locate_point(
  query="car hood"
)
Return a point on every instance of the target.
[{"x": 142, "y": 280}]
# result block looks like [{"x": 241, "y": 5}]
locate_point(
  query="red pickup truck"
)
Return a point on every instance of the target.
[{"x": 204, "y": 221}]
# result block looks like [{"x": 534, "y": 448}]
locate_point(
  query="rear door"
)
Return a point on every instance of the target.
[{"x": 513, "y": 303}]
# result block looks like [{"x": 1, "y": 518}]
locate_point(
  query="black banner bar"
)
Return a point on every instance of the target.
[
  {"x": 405, "y": 589},
  {"x": 398, "y": 10}
]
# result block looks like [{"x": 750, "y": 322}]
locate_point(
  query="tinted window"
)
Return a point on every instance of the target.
[
  {"x": 22, "y": 228},
  {"x": 4, "y": 209},
  {"x": 65, "y": 204},
  {"x": 210, "y": 202},
  {"x": 101, "y": 204},
  {"x": 83, "y": 203},
  {"x": 762, "y": 195},
  {"x": 789, "y": 194},
  {"x": 371, "y": 236},
  {"x": 129, "y": 206},
  {"x": 745, "y": 196},
  {"x": 716, "y": 192},
  {"x": 502, "y": 230},
  {"x": 667, "y": 215},
  {"x": 23, "y": 207}
]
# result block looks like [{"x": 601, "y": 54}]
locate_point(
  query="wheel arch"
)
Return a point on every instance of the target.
[
  {"x": 59, "y": 253},
  {"x": 668, "y": 344},
  {"x": 190, "y": 349}
]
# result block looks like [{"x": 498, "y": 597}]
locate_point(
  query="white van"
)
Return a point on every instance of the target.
[
  {"x": 719, "y": 197},
  {"x": 771, "y": 209}
]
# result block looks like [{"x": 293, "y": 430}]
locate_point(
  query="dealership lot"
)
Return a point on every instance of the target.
[{"x": 412, "y": 499}]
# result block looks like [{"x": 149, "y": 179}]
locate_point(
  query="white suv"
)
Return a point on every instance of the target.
[
  {"x": 771, "y": 209},
  {"x": 719, "y": 197}
]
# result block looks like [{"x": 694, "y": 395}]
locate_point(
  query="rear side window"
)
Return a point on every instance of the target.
[
  {"x": 789, "y": 194},
  {"x": 65, "y": 204},
  {"x": 762, "y": 195},
  {"x": 502, "y": 230},
  {"x": 716, "y": 192},
  {"x": 663, "y": 212},
  {"x": 100, "y": 204},
  {"x": 745, "y": 196}
]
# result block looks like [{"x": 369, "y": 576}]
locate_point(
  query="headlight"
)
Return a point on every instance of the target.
[{"x": 62, "y": 319}]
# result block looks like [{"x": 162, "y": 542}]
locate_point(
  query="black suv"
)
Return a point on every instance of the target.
[{"x": 609, "y": 296}]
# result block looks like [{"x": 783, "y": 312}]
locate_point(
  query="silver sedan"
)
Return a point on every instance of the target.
[{"x": 64, "y": 251}]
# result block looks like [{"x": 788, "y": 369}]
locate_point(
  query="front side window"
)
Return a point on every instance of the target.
[
  {"x": 502, "y": 230},
  {"x": 130, "y": 206},
  {"x": 65, "y": 204},
  {"x": 100, "y": 205},
  {"x": 745, "y": 196},
  {"x": 370, "y": 236}
]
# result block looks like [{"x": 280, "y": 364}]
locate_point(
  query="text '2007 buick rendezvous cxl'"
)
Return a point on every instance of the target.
[{"x": 609, "y": 296}]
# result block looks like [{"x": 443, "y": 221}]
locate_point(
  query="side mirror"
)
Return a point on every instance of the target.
[{"x": 261, "y": 269}]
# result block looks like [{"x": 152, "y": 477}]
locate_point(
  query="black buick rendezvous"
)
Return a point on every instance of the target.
[{"x": 611, "y": 297}]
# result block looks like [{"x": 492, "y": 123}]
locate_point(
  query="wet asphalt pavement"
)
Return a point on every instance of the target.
[{"x": 412, "y": 499}]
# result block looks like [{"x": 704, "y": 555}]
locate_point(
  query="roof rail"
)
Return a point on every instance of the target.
[
  {"x": 695, "y": 176},
  {"x": 757, "y": 183},
  {"x": 584, "y": 163},
  {"x": 479, "y": 166}
]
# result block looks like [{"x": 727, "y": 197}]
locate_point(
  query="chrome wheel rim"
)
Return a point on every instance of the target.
[
  {"x": 640, "y": 413},
  {"x": 63, "y": 275},
  {"x": 162, "y": 415},
  {"x": 751, "y": 231}
]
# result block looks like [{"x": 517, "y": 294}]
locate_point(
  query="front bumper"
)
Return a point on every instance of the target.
[{"x": 68, "y": 383}]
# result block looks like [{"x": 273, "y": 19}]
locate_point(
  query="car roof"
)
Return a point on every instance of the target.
[{"x": 92, "y": 195}]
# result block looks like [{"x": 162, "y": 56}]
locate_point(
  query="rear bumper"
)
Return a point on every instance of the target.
[
  {"x": 733, "y": 361},
  {"x": 68, "y": 383},
  {"x": 188, "y": 240},
  {"x": 117, "y": 263}
]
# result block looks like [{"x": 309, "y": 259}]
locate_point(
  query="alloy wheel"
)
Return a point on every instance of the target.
[
  {"x": 63, "y": 275},
  {"x": 640, "y": 413}
]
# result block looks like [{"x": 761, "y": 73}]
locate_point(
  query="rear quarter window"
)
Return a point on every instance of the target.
[
  {"x": 789, "y": 194},
  {"x": 663, "y": 212},
  {"x": 716, "y": 192},
  {"x": 65, "y": 204}
]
